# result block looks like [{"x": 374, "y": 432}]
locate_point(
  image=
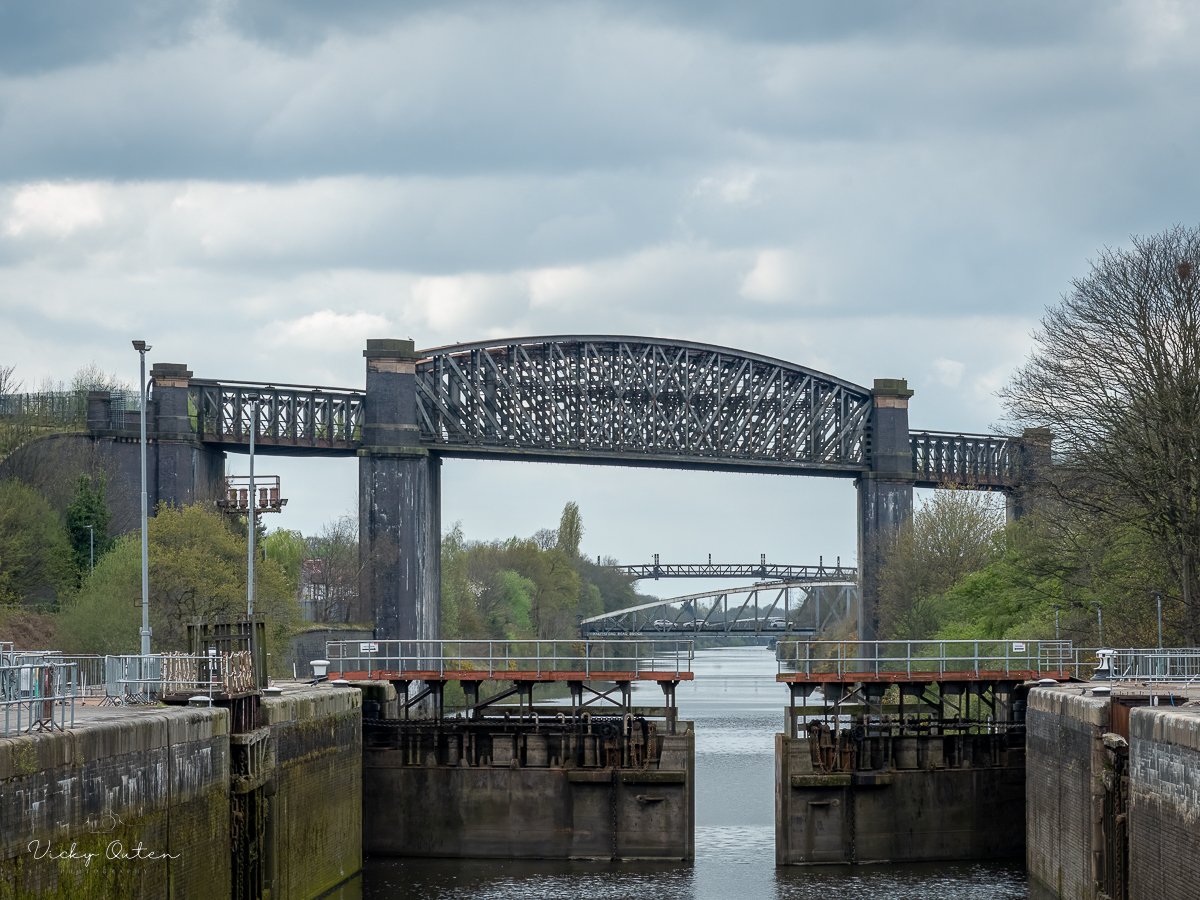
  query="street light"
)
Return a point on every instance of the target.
[
  {"x": 1157, "y": 595},
  {"x": 1099, "y": 620},
  {"x": 92, "y": 546},
  {"x": 141, "y": 347},
  {"x": 253, "y": 397},
  {"x": 1056, "y": 608}
]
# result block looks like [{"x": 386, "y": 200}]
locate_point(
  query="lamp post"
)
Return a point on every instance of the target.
[
  {"x": 1056, "y": 609},
  {"x": 253, "y": 397},
  {"x": 1157, "y": 595},
  {"x": 92, "y": 548},
  {"x": 141, "y": 347},
  {"x": 1099, "y": 620}
]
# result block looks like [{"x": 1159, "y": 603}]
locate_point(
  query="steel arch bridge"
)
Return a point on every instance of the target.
[
  {"x": 591, "y": 399},
  {"x": 638, "y": 401},
  {"x": 607, "y": 399}
]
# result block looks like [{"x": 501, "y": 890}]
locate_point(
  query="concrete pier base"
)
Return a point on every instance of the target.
[
  {"x": 916, "y": 798},
  {"x": 517, "y": 791}
]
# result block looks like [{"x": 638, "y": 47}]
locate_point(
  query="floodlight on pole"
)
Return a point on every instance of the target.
[
  {"x": 141, "y": 347},
  {"x": 1157, "y": 595},
  {"x": 91, "y": 547},
  {"x": 1056, "y": 609}
]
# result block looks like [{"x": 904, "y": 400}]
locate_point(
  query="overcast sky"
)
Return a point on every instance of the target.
[{"x": 868, "y": 189}]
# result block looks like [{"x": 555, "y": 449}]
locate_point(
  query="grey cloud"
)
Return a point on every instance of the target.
[{"x": 527, "y": 89}]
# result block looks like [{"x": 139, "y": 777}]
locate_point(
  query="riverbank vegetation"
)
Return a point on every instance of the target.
[
  {"x": 1115, "y": 521},
  {"x": 522, "y": 588}
]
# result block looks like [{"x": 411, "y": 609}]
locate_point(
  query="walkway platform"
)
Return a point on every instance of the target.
[
  {"x": 922, "y": 662},
  {"x": 533, "y": 662}
]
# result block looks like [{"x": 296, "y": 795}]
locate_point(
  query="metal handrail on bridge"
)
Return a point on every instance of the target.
[
  {"x": 919, "y": 660},
  {"x": 509, "y": 660}
]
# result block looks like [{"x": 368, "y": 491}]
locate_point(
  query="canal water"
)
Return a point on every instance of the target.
[{"x": 737, "y": 707}]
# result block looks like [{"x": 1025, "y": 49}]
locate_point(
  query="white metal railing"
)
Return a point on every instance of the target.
[
  {"x": 849, "y": 658},
  {"x": 1153, "y": 665},
  {"x": 36, "y": 694},
  {"x": 591, "y": 659},
  {"x": 143, "y": 679}
]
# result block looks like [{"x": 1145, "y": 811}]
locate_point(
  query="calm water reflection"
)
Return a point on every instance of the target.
[{"x": 737, "y": 708}]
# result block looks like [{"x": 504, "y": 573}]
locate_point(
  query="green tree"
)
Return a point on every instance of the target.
[
  {"x": 1115, "y": 375},
  {"x": 949, "y": 536},
  {"x": 197, "y": 568},
  {"x": 288, "y": 549},
  {"x": 88, "y": 507},
  {"x": 570, "y": 530},
  {"x": 35, "y": 554}
]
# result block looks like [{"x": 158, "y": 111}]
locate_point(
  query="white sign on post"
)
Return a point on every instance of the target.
[
  {"x": 1018, "y": 646},
  {"x": 368, "y": 647}
]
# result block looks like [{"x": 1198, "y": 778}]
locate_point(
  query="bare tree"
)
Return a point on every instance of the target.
[
  {"x": 1116, "y": 376},
  {"x": 948, "y": 537},
  {"x": 545, "y": 538},
  {"x": 329, "y": 580}
]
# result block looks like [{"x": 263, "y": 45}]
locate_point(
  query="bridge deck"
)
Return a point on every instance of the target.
[{"x": 535, "y": 677}]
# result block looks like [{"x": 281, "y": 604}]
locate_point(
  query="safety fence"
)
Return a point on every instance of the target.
[
  {"x": 1178, "y": 664},
  {"x": 132, "y": 680},
  {"x": 38, "y": 694},
  {"x": 854, "y": 660},
  {"x": 504, "y": 659}
]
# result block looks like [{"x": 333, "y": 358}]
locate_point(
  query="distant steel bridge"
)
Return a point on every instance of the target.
[
  {"x": 762, "y": 569},
  {"x": 767, "y": 609}
]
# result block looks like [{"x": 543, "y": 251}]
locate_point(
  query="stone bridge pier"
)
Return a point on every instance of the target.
[
  {"x": 399, "y": 501},
  {"x": 885, "y": 493}
]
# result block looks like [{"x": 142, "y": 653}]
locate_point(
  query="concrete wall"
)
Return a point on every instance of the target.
[
  {"x": 544, "y": 812},
  {"x": 1065, "y": 762},
  {"x": 168, "y": 779},
  {"x": 158, "y": 780},
  {"x": 928, "y": 813},
  {"x": 1164, "y": 803},
  {"x": 315, "y": 812}
]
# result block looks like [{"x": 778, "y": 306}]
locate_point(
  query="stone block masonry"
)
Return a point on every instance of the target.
[
  {"x": 315, "y": 814},
  {"x": 164, "y": 802},
  {"x": 152, "y": 785},
  {"x": 1164, "y": 803},
  {"x": 1064, "y": 790}
]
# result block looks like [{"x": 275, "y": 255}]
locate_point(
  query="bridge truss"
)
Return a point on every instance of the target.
[
  {"x": 607, "y": 399},
  {"x": 762, "y": 570},
  {"x": 771, "y": 609},
  {"x": 638, "y": 401}
]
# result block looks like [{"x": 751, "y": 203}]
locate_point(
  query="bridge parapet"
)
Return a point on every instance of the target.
[
  {"x": 304, "y": 418},
  {"x": 984, "y": 461}
]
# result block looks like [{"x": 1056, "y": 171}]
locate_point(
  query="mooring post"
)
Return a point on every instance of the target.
[
  {"x": 885, "y": 493},
  {"x": 399, "y": 503}
]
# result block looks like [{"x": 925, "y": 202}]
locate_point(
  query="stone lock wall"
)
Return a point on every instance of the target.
[
  {"x": 315, "y": 795},
  {"x": 158, "y": 782},
  {"x": 1065, "y": 790},
  {"x": 1164, "y": 803}
]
